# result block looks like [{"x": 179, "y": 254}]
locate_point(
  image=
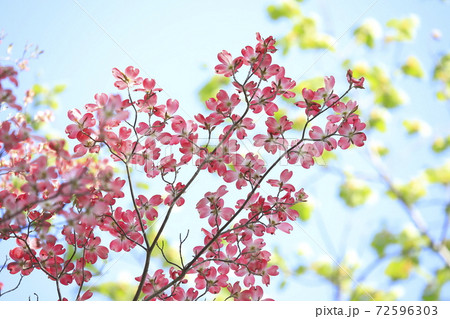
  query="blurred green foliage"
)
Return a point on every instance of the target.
[
  {"x": 442, "y": 74},
  {"x": 368, "y": 32},
  {"x": 210, "y": 89},
  {"x": 304, "y": 210},
  {"x": 398, "y": 254},
  {"x": 441, "y": 144},
  {"x": 405, "y": 29},
  {"x": 410, "y": 192},
  {"x": 304, "y": 33},
  {"x": 354, "y": 192},
  {"x": 46, "y": 96},
  {"x": 412, "y": 67},
  {"x": 116, "y": 291}
]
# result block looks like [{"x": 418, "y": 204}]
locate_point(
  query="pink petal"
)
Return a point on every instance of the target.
[{"x": 286, "y": 175}]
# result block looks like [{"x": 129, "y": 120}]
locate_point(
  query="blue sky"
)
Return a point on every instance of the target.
[{"x": 176, "y": 43}]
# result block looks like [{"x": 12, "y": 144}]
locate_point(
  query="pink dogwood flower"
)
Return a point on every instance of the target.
[
  {"x": 228, "y": 66},
  {"x": 126, "y": 79},
  {"x": 352, "y": 134}
]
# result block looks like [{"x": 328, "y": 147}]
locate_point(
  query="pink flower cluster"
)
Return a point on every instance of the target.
[
  {"x": 43, "y": 186},
  {"x": 80, "y": 192},
  {"x": 6, "y": 95}
]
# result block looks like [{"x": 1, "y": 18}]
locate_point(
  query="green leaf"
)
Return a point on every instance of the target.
[
  {"x": 211, "y": 88},
  {"x": 59, "y": 88},
  {"x": 366, "y": 293},
  {"x": 325, "y": 158},
  {"x": 380, "y": 84},
  {"x": 442, "y": 68},
  {"x": 368, "y": 32},
  {"x": 410, "y": 192},
  {"x": 439, "y": 175},
  {"x": 354, "y": 192},
  {"x": 44, "y": 96},
  {"x": 433, "y": 289},
  {"x": 442, "y": 73},
  {"x": 170, "y": 252},
  {"x": 39, "y": 89},
  {"x": 399, "y": 268},
  {"x": 142, "y": 185},
  {"x": 301, "y": 270},
  {"x": 431, "y": 292},
  {"x": 117, "y": 291},
  {"x": 231, "y": 167},
  {"x": 17, "y": 182},
  {"x": 379, "y": 149},
  {"x": 304, "y": 210},
  {"x": 359, "y": 69},
  {"x": 299, "y": 122},
  {"x": 381, "y": 240},
  {"x": 337, "y": 275},
  {"x": 287, "y": 9},
  {"x": 52, "y": 103},
  {"x": 405, "y": 29},
  {"x": 304, "y": 33},
  {"x": 441, "y": 144},
  {"x": 443, "y": 275},
  {"x": 309, "y": 37},
  {"x": 441, "y": 96},
  {"x": 412, "y": 67},
  {"x": 416, "y": 126},
  {"x": 222, "y": 295},
  {"x": 279, "y": 114},
  {"x": 324, "y": 269},
  {"x": 389, "y": 97},
  {"x": 411, "y": 242},
  {"x": 378, "y": 118},
  {"x": 92, "y": 268}
]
